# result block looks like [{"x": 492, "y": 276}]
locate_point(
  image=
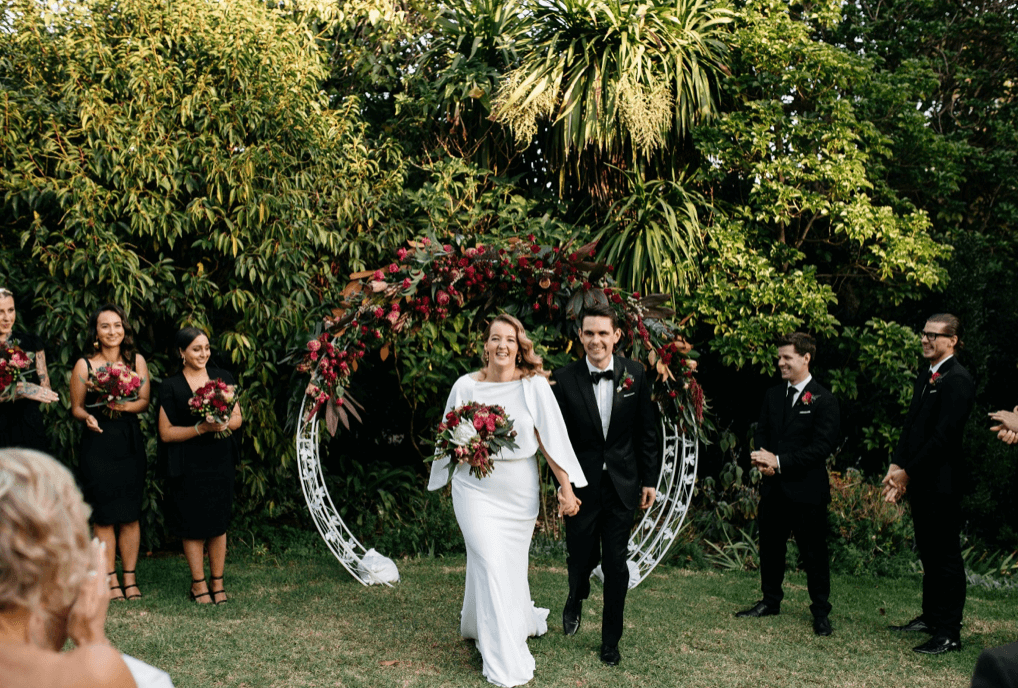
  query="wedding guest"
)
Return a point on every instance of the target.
[
  {"x": 927, "y": 464},
  {"x": 199, "y": 466},
  {"x": 50, "y": 587},
  {"x": 112, "y": 460},
  {"x": 497, "y": 513},
  {"x": 997, "y": 667},
  {"x": 612, "y": 424},
  {"x": 1007, "y": 427},
  {"x": 797, "y": 431},
  {"x": 20, "y": 415}
]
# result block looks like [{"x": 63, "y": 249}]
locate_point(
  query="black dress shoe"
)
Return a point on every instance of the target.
[
  {"x": 610, "y": 655},
  {"x": 759, "y": 609},
  {"x": 571, "y": 617},
  {"x": 916, "y": 624},
  {"x": 939, "y": 644},
  {"x": 822, "y": 625}
]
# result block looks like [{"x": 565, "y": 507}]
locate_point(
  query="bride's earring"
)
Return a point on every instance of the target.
[{"x": 519, "y": 359}]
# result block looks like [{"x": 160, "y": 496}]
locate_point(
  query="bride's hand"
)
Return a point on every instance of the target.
[{"x": 568, "y": 503}]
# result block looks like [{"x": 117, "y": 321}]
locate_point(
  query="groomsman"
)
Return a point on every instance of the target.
[
  {"x": 612, "y": 425},
  {"x": 927, "y": 466},
  {"x": 797, "y": 431}
]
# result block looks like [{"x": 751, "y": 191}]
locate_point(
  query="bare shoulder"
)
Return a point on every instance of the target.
[{"x": 95, "y": 666}]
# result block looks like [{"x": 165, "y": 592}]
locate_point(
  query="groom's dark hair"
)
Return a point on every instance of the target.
[
  {"x": 599, "y": 310},
  {"x": 952, "y": 326},
  {"x": 803, "y": 343}
]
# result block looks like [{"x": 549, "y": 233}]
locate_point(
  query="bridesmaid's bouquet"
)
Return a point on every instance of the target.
[
  {"x": 214, "y": 402},
  {"x": 115, "y": 383},
  {"x": 472, "y": 434},
  {"x": 13, "y": 364}
]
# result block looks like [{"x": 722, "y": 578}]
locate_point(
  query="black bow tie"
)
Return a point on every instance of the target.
[{"x": 597, "y": 376}]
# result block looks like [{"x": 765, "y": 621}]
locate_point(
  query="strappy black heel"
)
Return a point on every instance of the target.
[
  {"x": 115, "y": 587},
  {"x": 219, "y": 592},
  {"x": 195, "y": 598},
  {"x": 135, "y": 596}
]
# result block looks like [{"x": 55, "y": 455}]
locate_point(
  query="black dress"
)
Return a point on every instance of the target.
[
  {"x": 199, "y": 471},
  {"x": 111, "y": 465},
  {"x": 21, "y": 420}
]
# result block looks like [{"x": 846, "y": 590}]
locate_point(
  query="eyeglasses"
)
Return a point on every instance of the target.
[{"x": 932, "y": 336}]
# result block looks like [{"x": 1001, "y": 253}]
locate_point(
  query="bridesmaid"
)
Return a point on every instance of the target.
[
  {"x": 112, "y": 461},
  {"x": 200, "y": 467},
  {"x": 20, "y": 418}
]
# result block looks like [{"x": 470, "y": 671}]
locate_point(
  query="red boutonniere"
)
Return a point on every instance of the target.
[
  {"x": 625, "y": 383},
  {"x": 935, "y": 378},
  {"x": 808, "y": 398}
]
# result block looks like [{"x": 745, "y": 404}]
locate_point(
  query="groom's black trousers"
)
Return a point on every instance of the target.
[{"x": 600, "y": 532}]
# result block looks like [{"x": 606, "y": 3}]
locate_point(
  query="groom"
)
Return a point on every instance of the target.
[{"x": 612, "y": 425}]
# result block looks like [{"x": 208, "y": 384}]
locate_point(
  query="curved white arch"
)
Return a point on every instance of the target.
[{"x": 647, "y": 545}]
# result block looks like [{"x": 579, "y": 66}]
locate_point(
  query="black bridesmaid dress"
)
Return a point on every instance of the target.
[
  {"x": 112, "y": 464},
  {"x": 21, "y": 420},
  {"x": 199, "y": 471}
]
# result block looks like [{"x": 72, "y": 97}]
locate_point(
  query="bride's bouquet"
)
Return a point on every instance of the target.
[
  {"x": 214, "y": 402},
  {"x": 115, "y": 383},
  {"x": 13, "y": 363},
  {"x": 473, "y": 433}
]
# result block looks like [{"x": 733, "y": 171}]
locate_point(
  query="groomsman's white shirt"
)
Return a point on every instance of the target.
[{"x": 795, "y": 397}]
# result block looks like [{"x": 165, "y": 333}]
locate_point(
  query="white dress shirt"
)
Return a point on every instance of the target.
[
  {"x": 795, "y": 397},
  {"x": 603, "y": 393}
]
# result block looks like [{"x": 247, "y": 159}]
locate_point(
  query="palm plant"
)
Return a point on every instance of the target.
[
  {"x": 652, "y": 236},
  {"x": 615, "y": 81}
]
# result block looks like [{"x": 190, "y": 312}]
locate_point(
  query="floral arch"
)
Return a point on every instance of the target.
[{"x": 545, "y": 284}]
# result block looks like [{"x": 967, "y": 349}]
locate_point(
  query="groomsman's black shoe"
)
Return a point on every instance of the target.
[
  {"x": 917, "y": 624},
  {"x": 571, "y": 616},
  {"x": 610, "y": 655},
  {"x": 939, "y": 644},
  {"x": 761, "y": 608},
  {"x": 822, "y": 625}
]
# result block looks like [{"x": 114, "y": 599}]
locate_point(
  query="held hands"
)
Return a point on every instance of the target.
[
  {"x": 765, "y": 461},
  {"x": 86, "y": 620},
  {"x": 895, "y": 484},
  {"x": 568, "y": 503}
]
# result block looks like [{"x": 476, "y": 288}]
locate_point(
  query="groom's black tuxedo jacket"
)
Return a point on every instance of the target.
[
  {"x": 803, "y": 438},
  {"x": 930, "y": 446},
  {"x": 631, "y": 449}
]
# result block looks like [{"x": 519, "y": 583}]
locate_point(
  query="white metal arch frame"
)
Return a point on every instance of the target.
[{"x": 647, "y": 545}]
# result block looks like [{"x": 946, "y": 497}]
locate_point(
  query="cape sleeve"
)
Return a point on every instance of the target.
[
  {"x": 552, "y": 427},
  {"x": 440, "y": 467}
]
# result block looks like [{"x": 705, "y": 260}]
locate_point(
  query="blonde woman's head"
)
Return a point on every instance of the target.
[{"x": 44, "y": 538}]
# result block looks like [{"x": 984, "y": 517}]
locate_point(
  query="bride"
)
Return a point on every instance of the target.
[{"x": 497, "y": 513}]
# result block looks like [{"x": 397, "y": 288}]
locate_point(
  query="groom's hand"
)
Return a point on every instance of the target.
[{"x": 648, "y": 497}]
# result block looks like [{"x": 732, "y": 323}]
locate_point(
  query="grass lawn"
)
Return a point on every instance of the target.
[{"x": 303, "y": 621}]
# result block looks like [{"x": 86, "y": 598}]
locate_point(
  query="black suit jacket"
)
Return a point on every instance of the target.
[
  {"x": 930, "y": 446},
  {"x": 803, "y": 439},
  {"x": 631, "y": 449}
]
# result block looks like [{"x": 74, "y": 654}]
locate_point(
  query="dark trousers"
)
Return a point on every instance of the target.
[
  {"x": 778, "y": 518},
  {"x": 600, "y": 532},
  {"x": 937, "y": 521}
]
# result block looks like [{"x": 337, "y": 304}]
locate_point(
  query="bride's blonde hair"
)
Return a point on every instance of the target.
[{"x": 528, "y": 362}]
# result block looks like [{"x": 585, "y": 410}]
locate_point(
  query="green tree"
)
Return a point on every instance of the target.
[{"x": 180, "y": 159}]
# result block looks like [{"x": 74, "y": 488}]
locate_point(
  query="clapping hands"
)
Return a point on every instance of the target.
[
  {"x": 895, "y": 484},
  {"x": 1007, "y": 427},
  {"x": 765, "y": 461}
]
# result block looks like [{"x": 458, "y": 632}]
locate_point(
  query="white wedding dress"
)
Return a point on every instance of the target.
[{"x": 497, "y": 516}]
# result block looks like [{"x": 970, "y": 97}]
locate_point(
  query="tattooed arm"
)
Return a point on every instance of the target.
[{"x": 38, "y": 392}]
